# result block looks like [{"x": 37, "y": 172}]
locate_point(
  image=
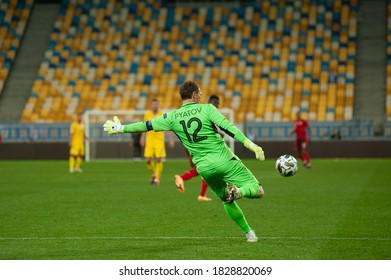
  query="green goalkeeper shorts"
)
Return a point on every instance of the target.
[{"x": 220, "y": 175}]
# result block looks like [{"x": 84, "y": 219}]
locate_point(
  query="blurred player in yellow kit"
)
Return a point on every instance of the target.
[
  {"x": 155, "y": 150},
  {"x": 76, "y": 144}
]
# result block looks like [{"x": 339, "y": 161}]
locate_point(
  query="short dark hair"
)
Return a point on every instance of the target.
[
  {"x": 213, "y": 97},
  {"x": 187, "y": 89}
]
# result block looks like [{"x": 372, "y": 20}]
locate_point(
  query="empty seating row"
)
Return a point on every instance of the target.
[
  {"x": 265, "y": 60},
  {"x": 14, "y": 15}
]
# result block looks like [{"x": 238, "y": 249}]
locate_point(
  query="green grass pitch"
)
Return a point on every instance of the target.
[{"x": 339, "y": 210}]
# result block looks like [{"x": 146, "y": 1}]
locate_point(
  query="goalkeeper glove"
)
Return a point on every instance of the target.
[
  {"x": 113, "y": 127},
  {"x": 259, "y": 154}
]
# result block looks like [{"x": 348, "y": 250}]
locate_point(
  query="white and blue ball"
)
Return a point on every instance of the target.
[{"x": 286, "y": 165}]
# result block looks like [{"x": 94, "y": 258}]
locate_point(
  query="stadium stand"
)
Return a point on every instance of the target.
[
  {"x": 388, "y": 70},
  {"x": 266, "y": 60},
  {"x": 14, "y": 16}
]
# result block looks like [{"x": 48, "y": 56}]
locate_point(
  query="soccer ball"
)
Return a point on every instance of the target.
[{"x": 286, "y": 165}]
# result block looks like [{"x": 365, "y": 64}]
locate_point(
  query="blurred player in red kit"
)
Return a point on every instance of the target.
[
  {"x": 187, "y": 176},
  {"x": 302, "y": 130}
]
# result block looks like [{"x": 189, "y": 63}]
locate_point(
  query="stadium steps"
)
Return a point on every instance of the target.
[
  {"x": 369, "y": 102},
  {"x": 30, "y": 53},
  {"x": 388, "y": 71},
  {"x": 104, "y": 56}
]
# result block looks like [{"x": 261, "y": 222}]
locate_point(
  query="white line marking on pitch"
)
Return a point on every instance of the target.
[{"x": 193, "y": 237}]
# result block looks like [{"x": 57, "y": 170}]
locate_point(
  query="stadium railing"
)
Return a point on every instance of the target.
[
  {"x": 319, "y": 130},
  {"x": 387, "y": 129},
  {"x": 34, "y": 132},
  {"x": 59, "y": 132}
]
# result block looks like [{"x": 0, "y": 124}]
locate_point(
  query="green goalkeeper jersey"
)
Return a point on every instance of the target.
[{"x": 195, "y": 125}]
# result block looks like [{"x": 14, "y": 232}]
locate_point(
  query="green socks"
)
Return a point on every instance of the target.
[{"x": 235, "y": 213}]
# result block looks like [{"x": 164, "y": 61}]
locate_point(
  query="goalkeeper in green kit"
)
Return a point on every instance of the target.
[{"x": 195, "y": 125}]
